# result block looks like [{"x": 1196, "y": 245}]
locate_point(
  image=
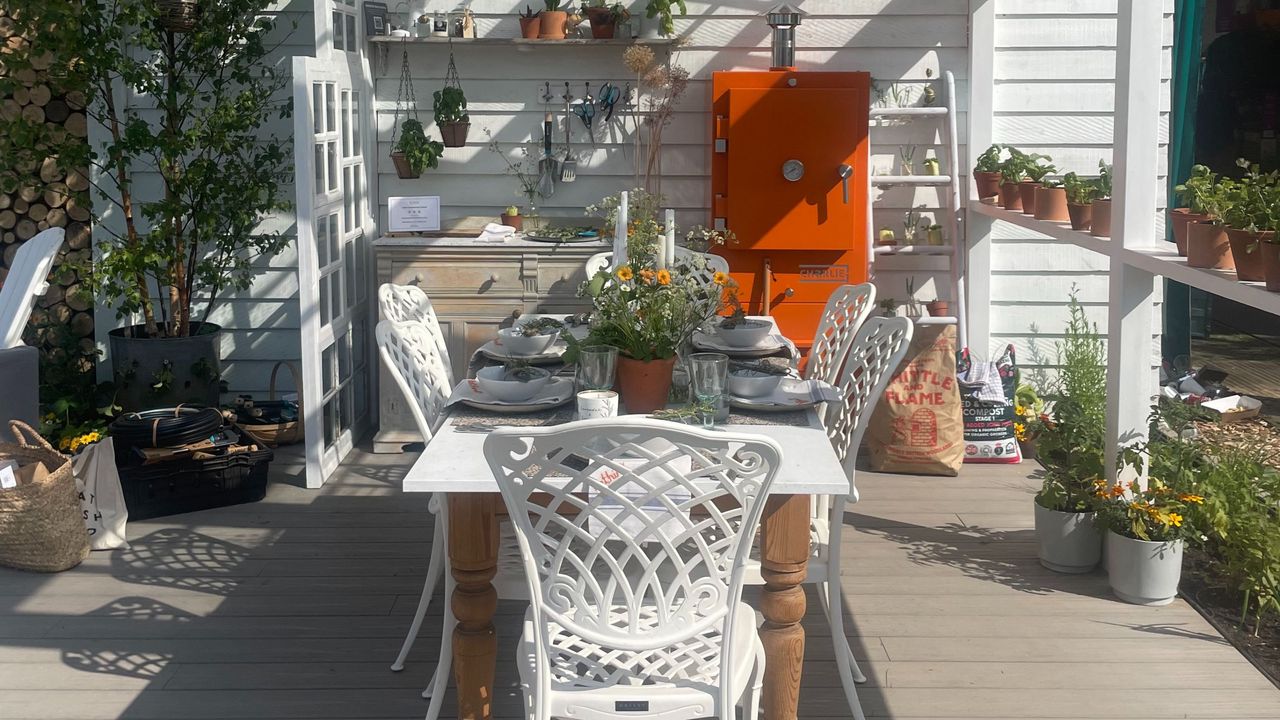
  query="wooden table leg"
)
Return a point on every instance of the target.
[
  {"x": 473, "y": 560},
  {"x": 784, "y": 556}
]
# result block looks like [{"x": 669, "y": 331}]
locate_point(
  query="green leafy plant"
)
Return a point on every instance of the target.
[
  {"x": 1196, "y": 192},
  {"x": 1154, "y": 513},
  {"x": 196, "y": 231},
  {"x": 420, "y": 151},
  {"x": 1021, "y": 165},
  {"x": 989, "y": 160},
  {"x": 617, "y": 11},
  {"x": 552, "y": 5},
  {"x": 1104, "y": 179},
  {"x": 450, "y": 105},
  {"x": 1080, "y": 191},
  {"x": 663, "y": 10},
  {"x": 1253, "y": 201},
  {"x": 529, "y": 12},
  {"x": 1038, "y": 166}
]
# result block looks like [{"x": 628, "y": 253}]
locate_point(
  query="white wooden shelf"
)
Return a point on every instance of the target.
[
  {"x": 413, "y": 39},
  {"x": 912, "y": 250},
  {"x": 882, "y": 180},
  {"x": 940, "y": 320},
  {"x": 1159, "y": 260},
  {"x": 907, "y": 112}
]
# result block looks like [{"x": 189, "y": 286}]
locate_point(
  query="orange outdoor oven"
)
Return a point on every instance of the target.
[{"x": 789, "y": 173}]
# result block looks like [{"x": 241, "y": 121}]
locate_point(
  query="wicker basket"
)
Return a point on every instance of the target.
[
  {"x": 279, "y": 433},
  {"x": 178, "y": 16},
  {"x": 41, "y": 525}
]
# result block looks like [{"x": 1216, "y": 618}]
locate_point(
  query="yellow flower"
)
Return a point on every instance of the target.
[
  {"x": 64, "y": 444},
  {"x": 1195, "y": 499},
  {"x": 1175, "y": 519},
  {"x": 624, "y": 273},
  {"x": 664, "y": 277},
  {"x": 720, "y": 278}
]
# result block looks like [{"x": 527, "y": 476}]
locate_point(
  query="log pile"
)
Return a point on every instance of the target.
[{"x": 52, "y": 203}]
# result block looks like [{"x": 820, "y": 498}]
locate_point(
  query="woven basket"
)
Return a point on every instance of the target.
[
  {"x": 41, "y": 526},
  {"x": 276, "y": 434},
  {"x": 178, "y": 16}
]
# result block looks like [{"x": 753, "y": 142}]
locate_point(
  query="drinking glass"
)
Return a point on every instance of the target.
[
  {"x": 708, "y": 381},
  {"x": 596, "y": 367}
]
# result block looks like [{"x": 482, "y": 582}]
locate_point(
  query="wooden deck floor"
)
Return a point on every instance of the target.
[{"x": 294, "y": 607}]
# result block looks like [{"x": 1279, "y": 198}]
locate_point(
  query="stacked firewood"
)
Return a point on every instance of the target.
[{"x": 52, "y": 203}]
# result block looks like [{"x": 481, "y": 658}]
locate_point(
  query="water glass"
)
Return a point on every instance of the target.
[
  {"x": 709, "y": 383},
  {"x": 596, "y": 367}
]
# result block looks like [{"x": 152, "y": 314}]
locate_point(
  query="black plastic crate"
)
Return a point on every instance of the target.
[{"x": 182, "y": 486}]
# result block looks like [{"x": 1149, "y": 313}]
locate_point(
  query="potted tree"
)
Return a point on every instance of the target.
[
  {"x": 986, "y": 172},
  {"x": 1012, "y": 170},
  {"x": 1037, "y": 167},
  {"x": 1191, "y": 195},
  {"x": 414, "y": 152},
  {"x": 530, "y": 23},
  {"x": 451, "y": 115},
  {"x": 1051, "y": 201},
  {"x": 606, "y": 18},
  {"x": 1080, "y": 196},
  {"x": 1251, "y": 219},
  {"x": 184, "y": 188},
  {"x": 1101, "y": 224},
  {"x": 1146, "y": 533},
  {"x": 554, "y": 21}
]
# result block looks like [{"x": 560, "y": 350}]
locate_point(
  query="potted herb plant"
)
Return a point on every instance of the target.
[
  {"x": 1191, "y": 195},
  {"x": 530, "y": 23},
  {"x": 1012, "y": 170},
  {"x": 932, "y": 166},
  {"x": 414, "y": 151},
  {"x": 1051, "y": 201},
  {"x": 1207, "y": 243},
  {"x": 986, "y": 172},
  {"x": 1038, "y": 166},
  {"x": 451, "y": 115},
  {"x": 1270, "y": 246},
  {"x": 1146, "y": 534},
  {"x": 1251, "y": 219},
  {"x": 555, "y": 21},
  {"x": 511, "y": 218},
  {"x": 525, "y": 171},
  {"x": 1101, "y": 224},
  {"x": 662, "y": 11},
  {"x": 186, "y": 181},
  {"x": 1081, "y": 193},
  {"x": 605, "y": 18},
  {"x": 886, "y": 237},
  {"x": 934, "y": 234}
]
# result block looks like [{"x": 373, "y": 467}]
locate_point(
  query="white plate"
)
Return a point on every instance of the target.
[
  {"x": 495, "y": 351},
  {"x": 791, "y": 394},
  {"x": 770, "y": 345},
  {"x": 557, "y": 392},
  {"x": 766, "y": 405}
]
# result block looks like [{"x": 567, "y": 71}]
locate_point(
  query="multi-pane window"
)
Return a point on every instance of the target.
[{"x": 344, "y": 26}]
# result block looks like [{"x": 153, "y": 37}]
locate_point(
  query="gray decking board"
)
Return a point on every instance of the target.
[{"x": 294, "y": 607}]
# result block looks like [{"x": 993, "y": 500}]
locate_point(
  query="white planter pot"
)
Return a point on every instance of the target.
[
  {"x": 1069, "y": 542},
  {"x": 1141, "y": 572}
]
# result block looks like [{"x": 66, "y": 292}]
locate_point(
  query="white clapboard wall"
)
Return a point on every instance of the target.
[{"x": 1055, "y": 94}]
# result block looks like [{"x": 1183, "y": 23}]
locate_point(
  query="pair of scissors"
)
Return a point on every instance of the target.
[
  {"x": 609, "y": 94},
  {"x": 586, "y": 111}
]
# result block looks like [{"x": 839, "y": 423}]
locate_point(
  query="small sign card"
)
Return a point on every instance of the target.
[{"x": 413, "y": 214}]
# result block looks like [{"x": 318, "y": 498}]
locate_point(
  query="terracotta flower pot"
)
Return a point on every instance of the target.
[
  {"x": 530, "y": 27},
  {"x": 988, "y": 184},
  {"x": 1180, "y": 218},
  {"x": 1027, "y": 189},
  {"x": 603, "y": 24},
  {"x": 1101, "y": 225},
  {"x": 403, "y": 169},
  {"x": 1051, "y": 204},
  {"x": 553, "y": 24},
  {"x": 645, "y": 384},
  {"x": 1081, "y": 216},
  {"x": 1246, "y": 253},
  {"x": 1271, "y": 265},
  {"x": 515, "y": 221},
  {"x": 1208, "y": 247},
  {"x": 454, "y": 134},
  {"x": 938, "y": 308},
  {"x": 1011, "y": 196}
]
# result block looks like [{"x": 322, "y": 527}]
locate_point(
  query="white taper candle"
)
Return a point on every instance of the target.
[{"x": 620, "y": 232}]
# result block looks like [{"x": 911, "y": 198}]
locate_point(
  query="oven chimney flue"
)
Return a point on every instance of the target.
[{"x": 783, "y": 18}]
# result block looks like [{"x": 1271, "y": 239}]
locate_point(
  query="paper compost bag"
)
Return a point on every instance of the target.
[{"x": 917, "y": 426}]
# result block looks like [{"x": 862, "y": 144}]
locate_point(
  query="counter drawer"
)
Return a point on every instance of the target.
[
  {"x": 461, "y": 276},
  {"x": 561, "y": 278}
]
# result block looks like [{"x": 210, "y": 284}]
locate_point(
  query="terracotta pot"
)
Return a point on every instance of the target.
[
  {"x": 988, "y": 184},
  {"x": 645, "y": 384},
  {"x": 938, "y": 308},
  {"x": 1101, "y": 224},
  {"x": 553, "y": 24},
  {"x": 1208, "y": 247},
  {"x": 1051, "y": 204},
  {"x": 403, "y": 169},
  {"x": 530, "y": 27},
  {"x": 1027, "y": 189},
  {"x": 1011, "y": 196},
  {"x": 1246, "y": 255},
  {"x": 454, "y": 134},
  {"x": 1081, "y": 216},
  {"x": 1180, "y": 218},
  {"x": 515, "y": 221},
  {"x": 1271, "y": 265},
  {"x": 603, "y": 24}
]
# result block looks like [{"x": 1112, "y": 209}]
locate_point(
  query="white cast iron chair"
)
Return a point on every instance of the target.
[
  {"x": 846, "y": 310},
  {"x": 408, "y": 303},
  {"x": 636, "y": 597},
  {"x": 870, "y": 361},
  {"x": 27, "y": 280}
]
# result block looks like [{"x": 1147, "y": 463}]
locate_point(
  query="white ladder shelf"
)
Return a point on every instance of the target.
[{"x": 948, "y": 215}]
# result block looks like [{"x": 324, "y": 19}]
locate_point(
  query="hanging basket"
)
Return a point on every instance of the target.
[
  {"x": 41, "y": 526},
  {"x": 454, "y": 134},
  {"x": 271, "y": 428},
  {"x": 178, "y": 16},
  {"x": 407, "y": 102}
]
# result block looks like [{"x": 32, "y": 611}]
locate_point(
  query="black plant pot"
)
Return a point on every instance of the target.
[{"x": 164, "y": 372}]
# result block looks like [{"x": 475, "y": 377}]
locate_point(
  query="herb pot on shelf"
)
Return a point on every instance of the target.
[
  {"x": 1101, "y": 224},
  {"x": 1208, "y": 247},
  {"x": 454, "y": 134},
  {"x": 645, "y": 384},
  {"x": 938, "y": 308},
  {"x": 1246, "y": 253},
  {"x": 530, "y": 27},
  {"x": 1180, "y": 218},
  {"x": 553, "y": 25},
  {"x": 603, "y": 22},
  {"x": 1069, "y": 542},
  {"x": 513, "y": 221},
  {"x": 1051, "y": 204},
  {"x": 404, "y": 170},
  {"x": 1011, "y": 196},
  {"x": 1027, "y": 191},
  {"x": 1271, "y": 265},
  {"x": 988, "y": 184},
  {"x": 1080, "y": 215},
  {"x": 1142, "y": 572}
]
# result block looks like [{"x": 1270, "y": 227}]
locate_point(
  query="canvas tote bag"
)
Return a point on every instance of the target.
[{"x": 101, "y": 499}]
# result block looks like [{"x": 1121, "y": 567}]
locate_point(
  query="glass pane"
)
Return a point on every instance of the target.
[
  {"x": 361, "y": 395},
  {"x": 324, "y": 302},
  {"x": 335, "y": 291},
  {"x": 333, "y": 166},
  {"x": 345, "y": 406},
  {"x": 358, "y": 343},
  {"x": 319, "y": 168},
  {"x": 349, "y": 259},
  {"x": 330, "y": 422},
  {"x": 322, "y": 241},
  {"x": 327, "y": 369},
  {"x": 338, "y": 43},
  {"x": 361, "y": 267},
  {"x": 344, "y": 358},
  {"x": 355, "y": 120},
  {"x": 330, "y": 108},
  {"x": 348, "y": 198},
  {"x": 351, "y": 33},
  {"x": 346, "y": 120},
  {"x": 317, "y": 108},
  {"x": 334, "y": 233}
]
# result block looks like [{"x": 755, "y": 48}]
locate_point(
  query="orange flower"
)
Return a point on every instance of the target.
[
  {"x": 664, "y": 277},
  {"x": 1195, "y": 499},
  {"x": 720, "y": 278},
  {"x": 624, "y": 273},
  {"x": 647, "y": 276}
]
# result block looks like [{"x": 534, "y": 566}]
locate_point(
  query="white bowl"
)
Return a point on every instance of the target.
[
  {"x": 494, "y": 383},
  {"x": 747, "y": 333},
  {"x": 752, "y": 383},
  {"x": 515, "y": 342}
]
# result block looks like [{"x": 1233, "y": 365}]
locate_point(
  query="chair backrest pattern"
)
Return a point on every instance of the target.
[
  {"x": 27, "y": 279},
  {"x": 847, "y": 308},
  {"x": 625, "y": 605},
  {"x": 413, "y": 357},
  {"x": 408, "y": 303}
]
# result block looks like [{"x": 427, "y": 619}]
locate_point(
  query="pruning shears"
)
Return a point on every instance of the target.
[
  {"x": 586, "y": 111},
  {"x": 609, "y": 94}
]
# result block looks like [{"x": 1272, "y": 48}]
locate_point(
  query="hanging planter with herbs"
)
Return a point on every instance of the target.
[
  {"x": 178, "y": 16},
  {"x": 451, "y": 108},
  {"x": 411, "y": 150}
]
